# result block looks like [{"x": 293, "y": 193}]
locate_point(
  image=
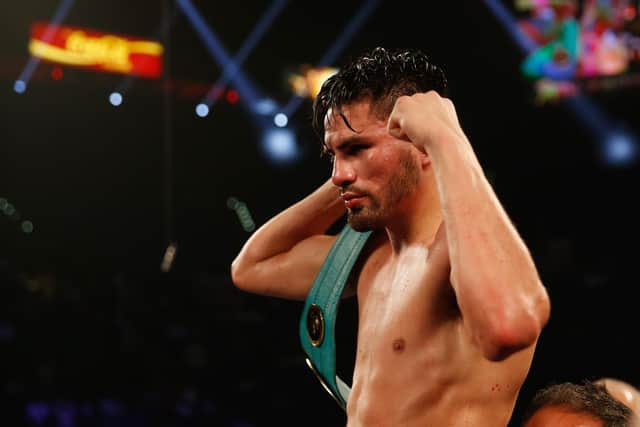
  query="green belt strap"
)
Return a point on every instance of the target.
[{"x": 317, "y": 323}]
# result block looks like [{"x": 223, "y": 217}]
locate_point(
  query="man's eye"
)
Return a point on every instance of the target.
[{"x": 353, "y": 149}]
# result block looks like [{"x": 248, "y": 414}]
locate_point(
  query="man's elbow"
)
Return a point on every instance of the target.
[
  {"x": 516, "y": 328},
  {"x": 506, "y": 342},
  {"x": 239, "y": 275},
  {"x": 251, "y": 276}
]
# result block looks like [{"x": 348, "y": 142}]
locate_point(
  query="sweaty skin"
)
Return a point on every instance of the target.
[
  {"x": 449, "y": 301},
  {"x": 437, "y": 376}
]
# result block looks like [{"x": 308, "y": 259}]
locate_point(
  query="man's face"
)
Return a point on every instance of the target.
[
  {"x": 557, "y": 416},
  {"x": 375, "y": 172}
]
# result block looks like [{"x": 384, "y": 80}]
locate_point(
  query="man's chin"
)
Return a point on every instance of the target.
[{"x": 360, "y": 222}]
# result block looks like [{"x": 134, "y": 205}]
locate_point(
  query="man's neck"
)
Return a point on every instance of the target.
[{"x": 417, "y": 227}]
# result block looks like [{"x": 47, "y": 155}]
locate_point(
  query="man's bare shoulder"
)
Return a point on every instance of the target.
[{"x": 372, "y": 257}]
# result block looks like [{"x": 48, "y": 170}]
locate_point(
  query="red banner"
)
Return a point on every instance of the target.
[{"x": 95, "y": 50}]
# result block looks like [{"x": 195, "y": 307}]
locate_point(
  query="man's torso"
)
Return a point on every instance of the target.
[{"x": 415, "y": 363}]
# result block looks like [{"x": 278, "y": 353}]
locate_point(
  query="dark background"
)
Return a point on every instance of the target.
[{"x": 93, "y": 333}]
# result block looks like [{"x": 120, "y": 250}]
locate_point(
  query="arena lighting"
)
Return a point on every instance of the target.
[
  {"x": 90, "y": 49},
  {"x": 308, "y": 83},
  {"x": 8, "y": 209},
  {"x": 27, "y": 227},
  {"x": 57, "y": 73},
  {"x": 614, "y": 149},
  {"x": 160, "y": 34},
  {"x": 168, "y": 257},
  {"x": 202, "y": 110},
  {"x": 265, "y": 106},
  {"x": 242, "y": 211},
  {"x": 232, "y": 96},
  {"x": 231, "y": 68},
  {"x": 617, "y": 146},
  {"x": 279, "y": 145},
  {"x": 368, "y": 6},
  {"x": 20, "y": 85},
  {"x": 218, "y": 52},
  {"x": 619, "y": 149},
  {"x": 510, "y": 24},
  {"x": 115, "y": 99},
  {"x": 280, "y": 120}
]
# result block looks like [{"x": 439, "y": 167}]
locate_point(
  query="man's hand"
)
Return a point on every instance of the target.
[{"x": 423, "y": 119}]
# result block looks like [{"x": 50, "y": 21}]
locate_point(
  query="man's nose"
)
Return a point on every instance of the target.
[{"x": 343, "y": 174}]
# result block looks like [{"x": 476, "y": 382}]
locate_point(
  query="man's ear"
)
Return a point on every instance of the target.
[{"x": 425, "y": 159}]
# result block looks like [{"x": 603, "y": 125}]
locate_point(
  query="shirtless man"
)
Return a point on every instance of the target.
[{"x": 450, "y": 304}]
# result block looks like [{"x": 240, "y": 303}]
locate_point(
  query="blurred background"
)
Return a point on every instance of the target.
[{"x": 142, "y": 142}]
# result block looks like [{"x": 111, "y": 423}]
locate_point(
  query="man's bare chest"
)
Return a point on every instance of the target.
[
  {"x": 394, "y": 287},
  {"x": 404, "y": 301}
]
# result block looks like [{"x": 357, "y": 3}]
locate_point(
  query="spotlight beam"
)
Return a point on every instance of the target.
[
  {"x": 524, "y": 42},
  {"x": 218, "y": 52},
  {"x": 231, "y": 67},
  {"x": 165, "y": 26},
  {"x": 59, "y": 15},
  {"x": 367, "y": 8}
]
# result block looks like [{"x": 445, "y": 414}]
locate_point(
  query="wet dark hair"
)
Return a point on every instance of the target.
[
  {"x": 381, "y": 75},
  {"x": 585, "y": 398}
]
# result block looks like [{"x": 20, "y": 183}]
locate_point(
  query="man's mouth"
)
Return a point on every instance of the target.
[{"x": 352, "y": 199}]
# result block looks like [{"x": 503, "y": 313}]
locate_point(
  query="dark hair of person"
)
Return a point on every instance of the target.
[
  {"x": 585, "y": 398},
  {"x": 380, "y": 75}
]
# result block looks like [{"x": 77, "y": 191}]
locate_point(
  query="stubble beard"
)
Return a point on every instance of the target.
[{"x": 376, "y": 214}]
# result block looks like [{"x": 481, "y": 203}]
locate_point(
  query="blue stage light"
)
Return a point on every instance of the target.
[
  {"x": 115, "y": 99},
  {"x": 280, "y": 120},
  {"x": 202, "y": 110},
  {"x": 279, "y": 144},
  {"x": 19, "y": 86},
  {"x": 619, "y": 149},
  {"x": 25, "y": 76},
  {"x": 230, "y": 71},
  {"x": 264, "y": 107}
]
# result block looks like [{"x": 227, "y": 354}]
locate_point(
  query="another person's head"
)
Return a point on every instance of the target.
[
  {"x": 576, "y": 405},
  {"x": 624, "y": 392},
  {"x": 354, "y": 105}
]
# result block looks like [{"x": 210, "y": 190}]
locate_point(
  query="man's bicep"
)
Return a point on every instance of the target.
[{"x": 291, "y": 274}]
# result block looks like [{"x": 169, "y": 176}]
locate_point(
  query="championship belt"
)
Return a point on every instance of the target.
[{"x": 317, "y": 323}]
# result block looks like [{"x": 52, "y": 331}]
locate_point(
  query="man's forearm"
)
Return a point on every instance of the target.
[
  {"x": 310, "y": 216},
  {"x": 493, "y": 274}
]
